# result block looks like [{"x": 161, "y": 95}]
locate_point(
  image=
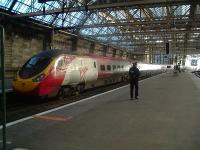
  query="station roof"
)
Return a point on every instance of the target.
[{"x": 138, "y": 26}]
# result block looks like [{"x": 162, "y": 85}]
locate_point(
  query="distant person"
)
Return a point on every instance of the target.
[
  {"x": 134, "y": 74},
  {"x": 179, "y": 67},
  {"x": 175, "y": 68}
]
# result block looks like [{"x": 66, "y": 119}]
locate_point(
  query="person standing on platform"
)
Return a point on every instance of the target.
[{"x": 134, "y": 74}]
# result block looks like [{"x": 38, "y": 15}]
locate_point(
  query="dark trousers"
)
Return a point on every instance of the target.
[{"x": 134, "y": 85}]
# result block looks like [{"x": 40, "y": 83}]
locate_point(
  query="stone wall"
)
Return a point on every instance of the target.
[
  {"x": 98, "y": 50},
  {"x": 109, "y": 52},
  {"x": 21, "y": 43},
  {"x": 61, "y": 41},
  {"x": 83, "y": 47}
]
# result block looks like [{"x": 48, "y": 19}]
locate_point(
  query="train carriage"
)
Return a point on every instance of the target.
[{"x": 56, "y": 72}]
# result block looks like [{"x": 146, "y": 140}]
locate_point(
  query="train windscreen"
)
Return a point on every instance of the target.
[{"x": 34, "y": 66}]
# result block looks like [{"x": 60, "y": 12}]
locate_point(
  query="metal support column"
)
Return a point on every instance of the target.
[{"x": 3, "y": 95}]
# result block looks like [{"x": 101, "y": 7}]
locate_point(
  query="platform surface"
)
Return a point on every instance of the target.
[{"x": 166, "y": 117}]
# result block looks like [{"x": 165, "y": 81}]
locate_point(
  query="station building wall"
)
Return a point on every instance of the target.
[
  {"x": 23, "y": 42},
  {"x": 20, "y": 44}
]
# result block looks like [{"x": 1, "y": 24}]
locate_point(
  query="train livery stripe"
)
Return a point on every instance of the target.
[{"x": 104, "y": 75}]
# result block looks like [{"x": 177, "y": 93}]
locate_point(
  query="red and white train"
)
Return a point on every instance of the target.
[{"x": 56, "y": 72}]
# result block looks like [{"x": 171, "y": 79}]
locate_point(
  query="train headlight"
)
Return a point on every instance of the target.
[{"x": 39, "y": 78}]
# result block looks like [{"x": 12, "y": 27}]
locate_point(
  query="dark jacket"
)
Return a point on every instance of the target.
[{"x": 134, "y": 73}]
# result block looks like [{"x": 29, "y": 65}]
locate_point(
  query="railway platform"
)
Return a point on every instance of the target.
[{"x": 166, "y": 117}]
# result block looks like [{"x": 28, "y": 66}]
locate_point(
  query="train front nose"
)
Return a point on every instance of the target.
[{"x": 24, "y": 86}]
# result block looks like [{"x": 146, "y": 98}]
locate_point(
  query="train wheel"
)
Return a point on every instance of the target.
[
  {"x": 80, "y": 88},
  {"x": 122, "y": 79},
  {"x": 63, "y": 92},
  {"x": 43, "y": 98},
  {"x": 60, "y": 94}
]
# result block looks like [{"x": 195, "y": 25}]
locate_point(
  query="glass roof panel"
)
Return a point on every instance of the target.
[
  {"x": 77, "y": 16},
  {"x": 59, "y": 21},
  {"x": 98, "y": 17},
  {"x": 94, "y": 19},
  {"x": 104, "y": 39},
  {"x": 114, "y": 38},
  {"x": 136, "y": 13},
  {"x": 71, "y": 19},
  {"x": 5, "y": 3},
  {"x": 133, "y": 11},
  {"x": 159, "y": 11},
  {"x": 182, "y": 10},
  {"x": 118, "y": 14},
  {"x": 90, "y": 31},
  {"x": 26, "y": 6},
  {"x": 45, "y": 18},
  {"x": 92, "y": 1}
]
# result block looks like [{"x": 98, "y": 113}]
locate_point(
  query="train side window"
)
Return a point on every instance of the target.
[
  {"x": 95, "y": 65},
  {"x": 118, "y": 67},
  {"x": 122, "y": 67},
  {"x": 108, "y": 67},
  {"x": 114, "y": 67},
  {"x": 81, "y": 62},
  {"x": 102, "y": 67}
]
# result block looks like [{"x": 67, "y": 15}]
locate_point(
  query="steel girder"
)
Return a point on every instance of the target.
[
  {"x": 180, "y": 22},
  {"x": 133, "y": 4},
  {"x": 147, "y": 20}
]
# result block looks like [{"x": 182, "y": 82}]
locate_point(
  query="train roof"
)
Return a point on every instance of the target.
[
  {"x": 52, "y": 53},
  {"x": 56, "y": 52}
]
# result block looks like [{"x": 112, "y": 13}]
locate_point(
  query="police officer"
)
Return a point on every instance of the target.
[{"x": 134, "y": 74}]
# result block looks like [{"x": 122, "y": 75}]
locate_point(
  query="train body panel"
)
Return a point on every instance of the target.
[{"x": 81, "y": 70}]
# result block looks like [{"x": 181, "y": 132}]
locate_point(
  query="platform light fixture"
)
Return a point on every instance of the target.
[{"x": 159, "y": 41}]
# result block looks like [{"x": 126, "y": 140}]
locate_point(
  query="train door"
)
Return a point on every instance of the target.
[
  {"x": 89, "y": 71},
  {"x": 73, "y": 71}
]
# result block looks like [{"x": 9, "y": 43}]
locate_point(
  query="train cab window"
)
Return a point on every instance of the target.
[
  {"x": 108, "y": 67},
  {"x": 102, "y": 67},
  {"x": 34, "y": 66},
  {"x": 95, "y": 65},
  {"x": 114, "y": 67}
]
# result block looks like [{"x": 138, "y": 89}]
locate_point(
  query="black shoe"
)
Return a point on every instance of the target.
[{"x": 136, "y": 97}]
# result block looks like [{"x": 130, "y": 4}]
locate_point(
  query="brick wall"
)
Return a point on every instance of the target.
[
  {"x": 61, "y": 41},
  {"x": 109, "y": 52},
  {"x": 20, "y": 45},
  {"x": 83, "y": 47},
  {"x": 98, "y": 50}
]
